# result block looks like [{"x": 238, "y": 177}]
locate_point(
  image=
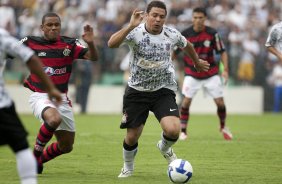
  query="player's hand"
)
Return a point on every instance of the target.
[
  {"x": 55, "y": 96},
  {"x": 225, "y": 77},
  {"x": 136, "y": 18},
  {"x": 202, "y": 66},
  {"x": 88, "y": 35}
]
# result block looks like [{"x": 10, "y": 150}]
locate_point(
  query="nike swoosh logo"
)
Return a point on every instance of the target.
[{"x": 172, "y": 110}]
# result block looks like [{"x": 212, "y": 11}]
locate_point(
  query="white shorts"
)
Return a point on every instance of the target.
[
  {"x": 39, "y": 101},
  {"x": 212, "y": 86}
]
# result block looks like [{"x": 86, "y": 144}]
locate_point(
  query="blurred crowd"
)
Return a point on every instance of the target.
[{"x": 243, "y": 26}]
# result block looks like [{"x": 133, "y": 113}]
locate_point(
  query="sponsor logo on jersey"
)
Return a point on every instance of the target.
[
  {"x": 42, "y": 54},
  {"x": 51, "y": 71},
  {"x": 150, "y": 64}
]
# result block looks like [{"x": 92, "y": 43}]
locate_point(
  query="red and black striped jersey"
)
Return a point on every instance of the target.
[
  {"x": 206, "y": 44},
  {"x": 57, "y": 58}
]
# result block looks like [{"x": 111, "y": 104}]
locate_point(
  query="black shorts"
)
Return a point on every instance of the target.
[
  {"x": 137, "y": 104},
  {"x": 12, "y": 131}
]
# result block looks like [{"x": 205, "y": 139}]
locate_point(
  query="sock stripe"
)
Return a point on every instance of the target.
[
  {"x": 42, "y": 137},
  {"x": 169, "y": 139},
  {"x": 128, "y": 147},
  {"x": 51, "y": 152},
  {"x": 44, "y": 134},
  {"x": 56, "y": 148},
  {"x": 46, "y": 156},
  {"x": 47, "y": 130},
  {"x": 184, "y": 113},
  {"x": 221, "y": 112}
]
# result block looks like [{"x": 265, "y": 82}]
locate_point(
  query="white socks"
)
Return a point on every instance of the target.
[
  {"x": 26, "y": 165},
  {"x": 128, "y": 157},
  {"x": 165, "y": 144}
]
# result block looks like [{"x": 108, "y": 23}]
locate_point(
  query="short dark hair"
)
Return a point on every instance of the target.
[
  {"x": 50, "y": 14},
  {"x": 157, "y": 4},
  {"x": 200, "y": 10}
]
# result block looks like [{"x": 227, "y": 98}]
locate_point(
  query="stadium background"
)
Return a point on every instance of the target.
[{"x": 243, "y": 25}]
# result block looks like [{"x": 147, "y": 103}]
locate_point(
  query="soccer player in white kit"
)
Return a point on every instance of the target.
[
  {"x": 152, "y": 84},
  {"x": 274, "y": 46},
  {"x": 12, "y": 131}
]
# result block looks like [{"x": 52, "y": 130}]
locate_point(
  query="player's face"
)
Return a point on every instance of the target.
[
  {"x": 198, "y": 20},
  {"x": 51, "y": 28},
  {"x": 155, "y": 20}
]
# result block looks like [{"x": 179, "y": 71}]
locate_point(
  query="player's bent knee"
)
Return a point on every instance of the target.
[
  {"x": 172, "y": 133},
  {"x": 131, "y": 140},
  {"x": 66, "y": 148},
  {"x": 54, "y": 120}
]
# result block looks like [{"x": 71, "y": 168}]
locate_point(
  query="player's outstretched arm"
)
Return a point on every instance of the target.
[
  {"x": 88, "y": 37},
  {"x": 275, "y": 52},
  {"x": 117, "y": 38},
  {"x": 36, "y": 68},
  {"x": 199, "y": 64}
]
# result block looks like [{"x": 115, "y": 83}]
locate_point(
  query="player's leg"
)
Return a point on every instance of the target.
[
  {"x": 189, "y": 90},
  {"x": 166, "y": 111},
  {"x": 26, "y": 165},
  {"x": 221, "y": 113},
  {"x": 51, "y": 120},
  {"x": 14, "y": 134},
  {"x": 214, "y": 87},
  {"x": 47, "y": 113},
  {"x": 64, "y": 144},
  {"x": 169, "y": 136},
  {"x": 130, "y": 148},
  {"x": 184, "y": 117},
  {"x": 65, "y": 134},
  {"x": 135, "y": 113}
]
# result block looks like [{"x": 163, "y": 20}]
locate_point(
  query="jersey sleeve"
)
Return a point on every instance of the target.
[
  {"x": 272, "y": 37},
  {"x": 219, "y": 45},
  {"x": 14, "y": 48},
  {"x": 181, "y": 41},
  {"x": 79, "y": 50}
]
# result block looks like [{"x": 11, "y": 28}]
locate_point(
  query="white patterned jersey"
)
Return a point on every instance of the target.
[
  {"x": 274, "y": 38},
  {"x": 151, "y": 67},
  {"x": 10, "y": 45}
]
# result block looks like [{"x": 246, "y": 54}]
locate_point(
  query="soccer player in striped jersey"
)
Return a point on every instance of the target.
[
  {"x": 12, "y": 131},
  {"x": 57, "y": 54},
  {"x": 206, "y": 42},
  {"x": 152, "y": 83}
]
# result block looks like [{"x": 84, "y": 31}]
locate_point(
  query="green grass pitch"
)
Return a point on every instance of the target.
[{"x": 253, "y": 157}]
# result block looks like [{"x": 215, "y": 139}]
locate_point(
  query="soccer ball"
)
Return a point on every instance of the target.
[{"x": 180, "y": 171}]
